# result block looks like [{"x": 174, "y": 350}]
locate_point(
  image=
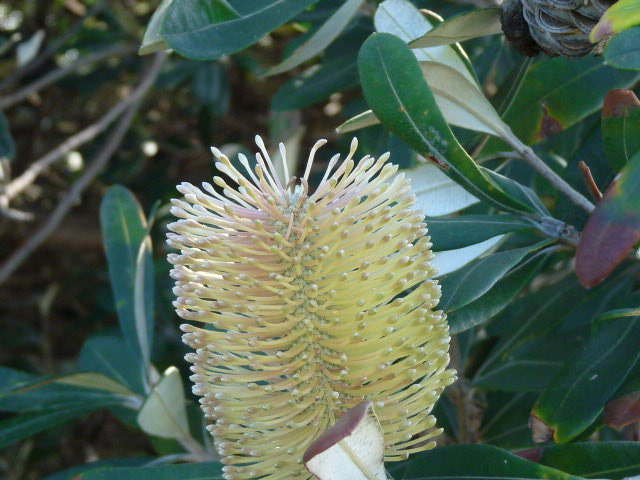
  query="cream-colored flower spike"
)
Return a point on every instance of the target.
[{"x": 311, "y": 303}]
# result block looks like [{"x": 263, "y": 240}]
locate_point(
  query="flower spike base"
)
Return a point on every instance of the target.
[{"x": 309, "y": 302}]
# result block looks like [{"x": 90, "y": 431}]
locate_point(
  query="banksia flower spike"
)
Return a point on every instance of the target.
[{"x": 311, "y": 303}]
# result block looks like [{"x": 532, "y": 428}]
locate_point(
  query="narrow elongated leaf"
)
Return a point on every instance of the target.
[
  {"x": 317, "y": 84},
  {"x": 620, "y": 127},
  {"x": 164, "y": 411},
  {"x": 7, "y": 146},
  {"x": 321, "y": 39},
  {"x": 614, "y": 460},
  {"x": 193, "y": 30},
  {"x": 578, "y": 394},
  {"x": 476, "y": 461},
  {"x": 30, "y": 423},
  {"x": 128, "y": 251},
  {"x": 113, "y": 358},
  {"x": 613, "y": 228},
  {"x": 623, "y": 51},
  {"x": 448, "y": 233},
  {"x": 556, "y": 93},
  {"x": 469, "y": 283},
  {"x": 185, "y": 471},
  {"x": 465, "y": 26},
  {"x": 402, "y": 19},
  {"x": 436, "y": 194},
  {"x": 152, "y": 41},
  {"x": 497, "y": 298},
  {"x": 392, "y": 84},
  {"x": 506, "y": 419},
  {"x": 447, "y": 261},
  {"x": 362, "y": 120},
  {"x": 353, "y": 449}
]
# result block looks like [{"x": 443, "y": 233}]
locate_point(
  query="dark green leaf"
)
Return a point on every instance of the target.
[
  {"x": 448, "y": 233},
  {"x": 472, "y": 281},
  {"x": 613, "y": 228},
  {"x": 124, "y": 231},
  {"x": 558, "y": 92},
  {"x": 70, "y": 473},
  {"x": 196, "y": 31},
  {"x": 317, "y": 84},
  {"x": 620, "y": 127},
  {"x": 211, "y": 87},
  {"x": 498, "y": 297},
  {"x": 27, "y": 424},
  {"x": 578, "y": 394},
  {"x": 506, "y": 420},
  {"x": 477, "y": 462},
  {"x": 187, "y": 471},
  {"x": 623, "y": 50},
  {"x": 112, "y": 357},
  {"x": 7, "y": 147},
  {"x": 397, "y": 93},
  {"x": 614, "y": 460}
]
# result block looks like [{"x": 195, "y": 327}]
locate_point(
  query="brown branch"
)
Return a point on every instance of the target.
[
  {"x": 589, "y": 181},
  {"x": 13, "y": 98},
  {"x": 66, "y": 203}
]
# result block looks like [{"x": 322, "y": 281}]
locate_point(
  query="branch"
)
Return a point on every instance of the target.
[
  {"x": 31, "y": 173},
  {"x": 58, "y": 73},
  {"x": 53, "y": 47},
  {"x": 66, "y": 203}
]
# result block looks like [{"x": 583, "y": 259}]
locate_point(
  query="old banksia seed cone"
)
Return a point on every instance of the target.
[{"x": 311, "y": 303}]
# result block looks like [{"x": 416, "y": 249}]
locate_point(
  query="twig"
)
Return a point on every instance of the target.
[
  {"x": 27, "y": 177},
  {"x": 589, "y": 181},
  {"x": 58, "y": 73},
  {"x": 53, "y": 47},
  {"x": 67, "y": 202},
  {"x": 529, "y": 156}
]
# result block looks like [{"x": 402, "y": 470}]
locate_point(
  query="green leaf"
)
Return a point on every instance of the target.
[
  {"x": 506, "y": 419},
  {"x": 211, "y": 87},
  {"x": 321, "y": 39},
  {"x": 196, "y": 32},
  {"x": 27, "y": 424},
  {"x": 7, "y": 147},
  {"x": 317, "y": 83},
  {"x": 471, "y": 282},
  {"x": 112, "y": 357},
  {"x": 393, "y": 86},
  {"x": 578, "y": 394},
  {"x": 620, "y": 16},
  {"x": 128, "y": 248},
  {"x": 448, "y": 233},
  {"x": 612, "y": 229},
  {"x": 152, "y": 41},
  {"x": 556, "y": 93},
  {"x": 620, "y": 127},
  {"x": 614, "y": 460},
  {"x": 22, "y": 392},
  {"x": 461, "y": 27},
  {"x": 498, "y": 297},
  {"x": 623, "y": 51},
  {"x": 478, "y": 462},
  {"x": 186, "y": 471},
  {"x": 402, "y": 19},
  {"x": 71, "y": 473},
  {"x": 164, "y": 413}
]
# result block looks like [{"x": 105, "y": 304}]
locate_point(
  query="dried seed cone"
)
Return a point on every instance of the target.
[
  {"x": 311, "y": 303},
  {"x": 557, "y": 27}
]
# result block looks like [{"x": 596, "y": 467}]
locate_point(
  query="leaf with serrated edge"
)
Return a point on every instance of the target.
[
  {"x": 320, "y": 39},
  {"x": 465, "y": 26},
  {"x": 164, "y": 413},
  {"x": 353, "y": 449}
]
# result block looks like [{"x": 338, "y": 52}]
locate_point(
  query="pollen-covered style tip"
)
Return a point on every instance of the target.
[{"x": 312, "y": 301}]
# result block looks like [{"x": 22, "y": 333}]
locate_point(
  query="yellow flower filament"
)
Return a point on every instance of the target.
[{"x": 311, "y": 303}]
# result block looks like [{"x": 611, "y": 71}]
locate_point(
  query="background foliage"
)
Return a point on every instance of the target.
[{"x": 93, "y": 139}]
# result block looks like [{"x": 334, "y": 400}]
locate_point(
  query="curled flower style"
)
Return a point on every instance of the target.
[{"x": 311, "y": 303}]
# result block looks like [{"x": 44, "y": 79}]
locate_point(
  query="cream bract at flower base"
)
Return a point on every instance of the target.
[{"x": 310, "y": 302}]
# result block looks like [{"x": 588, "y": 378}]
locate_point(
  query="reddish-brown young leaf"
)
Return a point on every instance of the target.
[
  {"x": 623, "y": 411},
  {"x": 613, "y": 228},
  {"x": 618, "y": 101}
]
